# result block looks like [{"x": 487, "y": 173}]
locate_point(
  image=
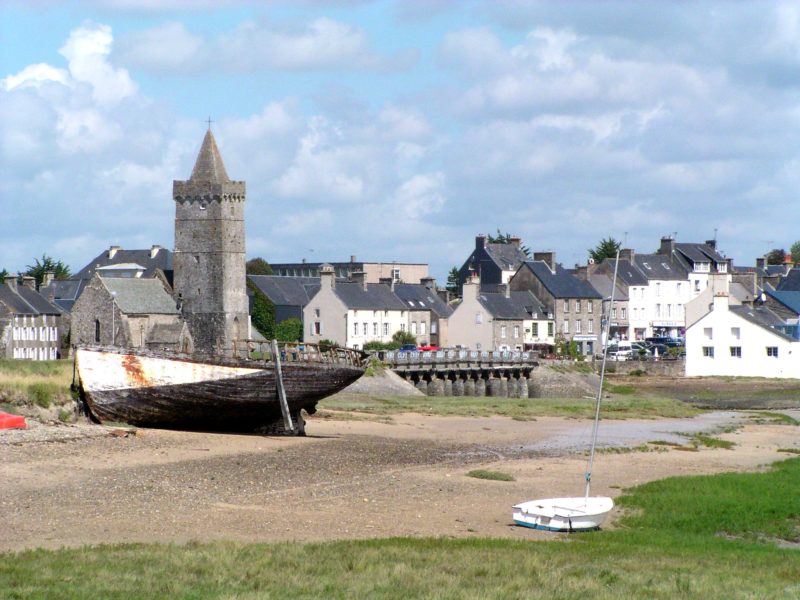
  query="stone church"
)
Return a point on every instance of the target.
[{"x": 206, "y": 310}]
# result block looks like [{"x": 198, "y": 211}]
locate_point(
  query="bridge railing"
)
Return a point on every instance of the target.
[{"x": 438, "y": 357}]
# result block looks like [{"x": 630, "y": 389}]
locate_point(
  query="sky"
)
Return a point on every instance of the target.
[{"x": 399, "y": 130}]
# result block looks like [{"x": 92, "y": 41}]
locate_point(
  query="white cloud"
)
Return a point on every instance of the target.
[
  {"x": 35, "y": 76},
  {"x": 420, "y": 196}
]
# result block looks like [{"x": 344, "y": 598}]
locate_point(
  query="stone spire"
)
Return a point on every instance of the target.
[{"x": 209, "y": 166}]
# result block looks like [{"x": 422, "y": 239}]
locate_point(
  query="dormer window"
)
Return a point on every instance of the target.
[
  {"x": 702, "y": 267},
  {"x": 722, "y": 267}
]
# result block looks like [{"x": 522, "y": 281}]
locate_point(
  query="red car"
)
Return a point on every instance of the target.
[{"x": 428, "y": 348}]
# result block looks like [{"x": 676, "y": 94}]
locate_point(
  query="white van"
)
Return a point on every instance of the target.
[{"x": 620, "y": 350}]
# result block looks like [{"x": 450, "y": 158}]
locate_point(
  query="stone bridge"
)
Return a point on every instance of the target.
[{"x": 465, "y": 372}]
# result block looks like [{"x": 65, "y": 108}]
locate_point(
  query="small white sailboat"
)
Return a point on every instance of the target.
[{"x": 579, "y": 513}]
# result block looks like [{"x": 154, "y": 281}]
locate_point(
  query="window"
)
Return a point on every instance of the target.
[
  {"x": 696, "y": 285},
  {"x": 590, "y": 326},
  {"x": 396, "y": 274},
  {"x": 658, "y": 290},
  {"x": 97, "y": 330},
  {"x": 614, "y": 313},
  {"x": 678, "y": 288},
  {"x": 402, "y": 326},
  {"x": 355, "y": 328},
  {"x": 503, "y": 331},
  {"x": 316, "y": 312},
  {"x": 703, "y": 267},
  {"x": 566, "y": 326},
  {"x": 365, "y": 328},
  {"x": 708, "y": 333},
  {"x": 722, "y": 267},
  {"x": 658, "y": 311},
  {"x": 317, "y": 328},
  {"x": 535, "y": 330},
  {"x": 669, "y": 310},
  {"x": 385, "y": 329},
  {"x": 577, "y": 306},
  {"x": 708, "y": 351},
  {"x": 623, "y": 313},
  {"x": 478, "y": 318},
  {"x": 433, "y": 328},
  {"x": 736, "y": 352},
  {"x": 736, "y": 333},
  {"x": 772, "y": 351},
  {"x": 566, "y": 306},
  {"x": 422, "y": 327},
  {"x": 550, "y": 329},
  {"x": 375, "y": 328},
  {"x": 589, "y": 306},
  {"x": 578, "y": 326},
  {"x": 413, "y": 328},
  {"x": 516, "y": 331}
]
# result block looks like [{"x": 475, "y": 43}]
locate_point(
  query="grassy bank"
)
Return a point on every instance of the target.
[
  {"x": 618, "y": 407},
  {"x": 686, "y": 537},
  {"x": 40, "y": 383}
]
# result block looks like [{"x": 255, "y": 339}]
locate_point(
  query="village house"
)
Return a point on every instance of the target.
[
  {"x": 352, "y": 313},
  {"x": 428, "y": 314},
  {"x": 493, "y": 264},
  {"x": 504, "y": 320},
  {"x": 373, "y": 271},
  {"x": 740, "y": 341},
  {"x": 129, "y": 312},
  {"x": 30, "y": 325},
  {"x": 575, "y": 305},
  {"x": 289, "y": 295}
]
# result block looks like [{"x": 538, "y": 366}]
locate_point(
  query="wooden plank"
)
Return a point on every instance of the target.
[{"x": 287, "y": 417}]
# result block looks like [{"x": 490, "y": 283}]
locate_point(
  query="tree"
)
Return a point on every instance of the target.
[
  {"x": 795, "y": 252},
  {"x": 47, "y": 265},
  {"x": 776, "y": 256},
  {"x": 607, "y": 248},
  {"x": 258, "y": 266},
  {"x": 3, "y": 274},
  {"x": 262, "y": 312},
  {"x": 290, "y": 330},
  {"x": 403, "y": 337},
  {"x": 452, "y": 280},
  {"x": 505, "y": 238}
]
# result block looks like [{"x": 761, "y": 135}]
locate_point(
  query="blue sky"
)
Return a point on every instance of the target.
[{"x": 397, "y": 130}]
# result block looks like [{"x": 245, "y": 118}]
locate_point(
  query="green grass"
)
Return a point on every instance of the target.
[
  {"x": 491, "y": 475},
  {"x": 629, "y": 407},
  {"x": 42, "y": 383},
  {"x": 707, "y": 441},
  {"x": 790, "y": 450},
  {"x": 774, "y": 418},
  {"x": 618, "y": 389},
  {"x": 706, "y": 537}
]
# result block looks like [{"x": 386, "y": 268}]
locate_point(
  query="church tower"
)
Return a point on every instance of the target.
[{"x": 209, "y": 259}]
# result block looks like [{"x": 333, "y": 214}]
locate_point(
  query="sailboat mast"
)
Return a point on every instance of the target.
[{"x": 602, "y": 377}]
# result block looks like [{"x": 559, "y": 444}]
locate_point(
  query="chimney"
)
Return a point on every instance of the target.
[
  {"x": 582, "y": 272},
  {"x": 113, "y": 250},
  {"x": 507, "y": 290},
  {"x": 390, "y": 281},
  {"x": 667, "y": 246},
  {"x": 352, "y": 258},
  {"x": 48, "y": 278},
  {"x": 359, "y": 277},
  {"x": 626, "y": 254},
  {"x": 711, "y": 244},
  {"x": 515, "y": 241},
  {"x": 29, "y": 282},
  {"x": 761, "y": 263},
  {"x": 472, "y": 287},
  {"x": 428, "y": 282},
  {"x": 548, "y": 258},
  {"x": 11, "y": 281},
  {"x": 327, "y": 278},
  {"x": 480, "y": 242},
  {"x": 154, "y": 250}
]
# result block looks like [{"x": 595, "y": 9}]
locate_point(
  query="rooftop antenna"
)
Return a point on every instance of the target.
[
  {"x": 715, "y": 234},
  {"x": 625, "y": 239}
]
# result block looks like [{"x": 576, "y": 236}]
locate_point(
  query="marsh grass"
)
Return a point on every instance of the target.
[
  {"x": 490, "y": 475},
  {"x": 708, "y": 441},
  {"x": 618, "y": 389},
  {"x": 710, "y": 537},
  {"x": 790, "y": 450},
  {"x": 522, "y": 409},
  {"x": 774, "y": 418},
  {"x": 42, "y": 383}
]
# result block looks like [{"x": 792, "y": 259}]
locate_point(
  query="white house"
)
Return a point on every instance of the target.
[{"x": 740, "y": 341}]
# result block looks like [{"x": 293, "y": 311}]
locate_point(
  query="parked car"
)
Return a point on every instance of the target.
[
  {"x": 407, "y": 348},
  {"x": 428, "y": 348}
]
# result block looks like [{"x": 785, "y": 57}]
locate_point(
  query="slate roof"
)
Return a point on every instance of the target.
[
  {"x": 26, "y": 301},
  {"x": 627, "y": 273},
  {"x": 790, "y": 299},
  {"x": 286, "y": 291},
  {"x": 506, "y": 256},
  {"x": 518, "y": 306},
  {"x": 162, "y": 261},
  {"x": 65, "y": 292},
  {"x": 141, "y": 296},
  {"x": 420, "y": 297},
  {"x": 660, "y": 267},
  {"x": 763, "y": 317},
  {"x": 791, "y": 282},
  {"x": 699, "y": 252},
  {"x": 377, "y": 296},
  {"x": 561, "y": 284},
  {"x": 165, "y": 333},
  {"x": 602, "y": 283}
]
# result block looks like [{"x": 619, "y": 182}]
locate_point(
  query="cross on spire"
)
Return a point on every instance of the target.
[{"x": 209, "y": 121}]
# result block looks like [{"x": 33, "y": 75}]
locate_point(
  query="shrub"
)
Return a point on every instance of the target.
[
  {"x": 403, "y": 337},
  {"x": 290, "y": 330},
  {"x": 491, "y": 475},
  {"x": 325, "y": 345},
  {"x": 637, "y": 372},
  {"x": 41, "y": 394}
]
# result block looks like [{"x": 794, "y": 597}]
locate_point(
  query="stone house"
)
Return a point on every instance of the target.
[
  {"x": 30, "y": 325},
  {"x": 576, "y": 306},
  {"x": 134, "y": 313},
  {"x": 428, "y": 314},
  {"x": 493, "y": 264},
  {"x": 373, "y": 271},
  {"x": 352, "y": 313},
  {"x": 289, "y": 295},
  {"x": 499, "y": 320}
]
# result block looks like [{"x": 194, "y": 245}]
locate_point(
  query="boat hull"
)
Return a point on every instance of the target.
[
  {"x": 180, "y": 393},
  {"x": 563, "y": 514}
]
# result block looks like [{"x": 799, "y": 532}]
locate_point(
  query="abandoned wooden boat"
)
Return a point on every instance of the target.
[{"x": 149, "y": 389}]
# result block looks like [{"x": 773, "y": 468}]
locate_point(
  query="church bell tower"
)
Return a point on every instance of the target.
[{"x": 209, "y": 258}]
